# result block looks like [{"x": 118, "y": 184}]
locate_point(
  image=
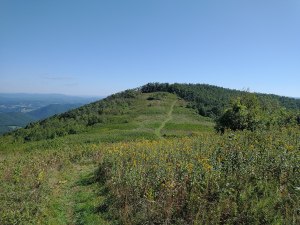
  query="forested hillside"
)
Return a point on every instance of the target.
[
  {"x": 13, "y": 120},
  {"x": 51, "y": 110},
  {"x": 211, "y": 100}
]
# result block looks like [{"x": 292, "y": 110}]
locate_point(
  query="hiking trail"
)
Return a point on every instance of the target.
[{"x": 163, "y": 124}]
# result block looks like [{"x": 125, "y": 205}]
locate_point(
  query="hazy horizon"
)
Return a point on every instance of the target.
[
  {"x": 35, "y": 93},
  {"x": 102, "y": 96}
]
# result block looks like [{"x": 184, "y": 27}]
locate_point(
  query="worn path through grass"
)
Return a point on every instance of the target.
[
  {"x": 75, "y": 196},
  {"x": 163, "y": 124}
]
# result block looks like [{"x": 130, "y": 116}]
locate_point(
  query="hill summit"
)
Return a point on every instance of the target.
[{"x": 150, "y": 111}]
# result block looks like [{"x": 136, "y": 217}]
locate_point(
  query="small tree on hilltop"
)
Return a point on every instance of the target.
[{"x": 243, "y": 114}]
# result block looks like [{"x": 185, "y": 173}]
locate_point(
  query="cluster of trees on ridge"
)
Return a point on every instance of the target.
[
  {"x": 211, "y": 100},
  {"x": 233, "y": 109}
]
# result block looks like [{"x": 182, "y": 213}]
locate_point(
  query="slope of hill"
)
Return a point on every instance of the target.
[
  {"x": 127, "y": 115},
  {"x": 60, "y": 170}
]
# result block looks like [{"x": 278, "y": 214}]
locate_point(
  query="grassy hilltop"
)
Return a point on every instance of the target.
[{"x": 151, "y": 156}]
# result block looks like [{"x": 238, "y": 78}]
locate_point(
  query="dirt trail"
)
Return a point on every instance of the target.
[{"x": 163, "y": 124}]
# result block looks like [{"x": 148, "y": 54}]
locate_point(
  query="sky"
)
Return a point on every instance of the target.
[{"x": 97, "y": 47}]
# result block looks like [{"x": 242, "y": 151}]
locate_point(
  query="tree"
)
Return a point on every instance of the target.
[{"x": 243, "y": 114}]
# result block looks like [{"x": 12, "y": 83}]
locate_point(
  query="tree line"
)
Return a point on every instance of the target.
[{"x": 234, "y": 109}]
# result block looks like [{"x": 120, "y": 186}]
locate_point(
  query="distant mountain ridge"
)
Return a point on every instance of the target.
[
  {"x": 18, "y": 109},
  {"x": 23, "y": 102},
  {"x": 52, "y": 109}
]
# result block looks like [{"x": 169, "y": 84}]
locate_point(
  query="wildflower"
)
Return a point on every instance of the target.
[
  {"x": 190, "y": 167},
  {"x": 207, "y": 166},
  {"x": 290, "y": 148}
]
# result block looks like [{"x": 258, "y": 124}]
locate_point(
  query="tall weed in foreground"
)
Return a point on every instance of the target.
[{"x": 237, "y": 178}]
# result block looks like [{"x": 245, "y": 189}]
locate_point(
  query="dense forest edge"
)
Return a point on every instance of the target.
[{"x": 211, "y": 100}]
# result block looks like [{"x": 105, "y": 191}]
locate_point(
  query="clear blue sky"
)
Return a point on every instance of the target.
[{"x": 97, "y": 47}]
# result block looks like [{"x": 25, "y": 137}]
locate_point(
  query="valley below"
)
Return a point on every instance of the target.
[{"x": 18, "y": 110}]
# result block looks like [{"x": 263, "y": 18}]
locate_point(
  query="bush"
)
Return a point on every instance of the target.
[{"x": 243, "y": 114}]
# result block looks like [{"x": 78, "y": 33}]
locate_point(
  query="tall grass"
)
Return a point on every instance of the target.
[
  {"x": 25, "y": 187},
  {"x": 237, "y": 178}
]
